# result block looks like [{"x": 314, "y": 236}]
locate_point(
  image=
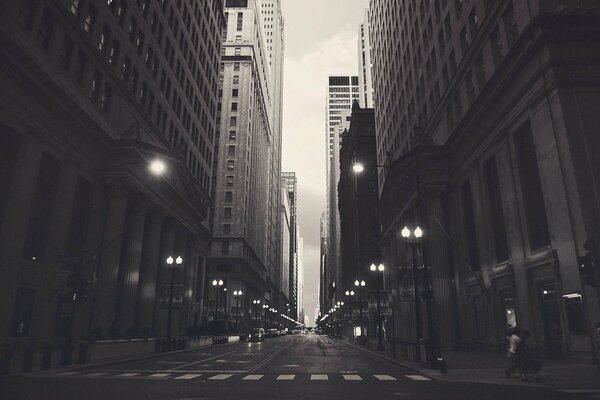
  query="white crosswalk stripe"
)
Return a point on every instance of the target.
[
  {"x": 352, "y": 377},
  {"x": 220, "y": 377},
  {"x": 384, "y": 377},
  {"x": 252, "y": 377},
  {"x": 129, "y": 374},
  {"x": 96, "y": 374},
  {"x": 418, "y": 377},
  {"x": 67, "y": 373},
  {"x": 319, "y": 377},
  {"x": 286, "y": 377},
  {"x": 158, "y": 375},
  {"x": 188, "y": 376}
]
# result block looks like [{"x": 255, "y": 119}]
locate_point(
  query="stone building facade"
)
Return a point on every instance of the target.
[
  {"x": 92, "y": 93},
  {"x": 489, "y": 140}
]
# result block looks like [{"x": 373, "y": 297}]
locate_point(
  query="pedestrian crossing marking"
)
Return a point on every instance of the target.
[
  {"x": 96, "y": 374},
  {"x": 319, "y": 377},
  {"x": 384, "y": 377},
  {"x": 67, "y": 373},
  {"x": 418, "y": 377},
  {"x": 188, "y": 376},
  {"x": 286, "y": 377},
  {"x": 352, "y": 377},
  {"x": 128, "y": 374},
  {"x": 158, "y": 375},
  {"x": 252, "y": 377},
  {"x": 220, "y": 377}
]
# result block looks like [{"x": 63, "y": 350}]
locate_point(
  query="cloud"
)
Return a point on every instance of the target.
[{"x": 304, "y": 136}]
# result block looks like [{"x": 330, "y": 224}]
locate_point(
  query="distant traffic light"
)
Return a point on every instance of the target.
[{"x": 587, "y": 270}]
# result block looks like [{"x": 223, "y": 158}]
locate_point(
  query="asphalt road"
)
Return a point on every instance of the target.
[{"x": 290, "y": 368}]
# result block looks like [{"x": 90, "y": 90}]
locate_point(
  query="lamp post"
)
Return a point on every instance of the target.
[
  {"x": 415, "y": 244},
  {"x": 256, "y": 305},
  {"x": 379, "y": 268},
  {"x": 263, "y": 315},
  {"x": 237, "y": 294},
  {"x": 178, "y": 261},
  {"x": 217, "y": 283},
  {"x": 349, "y": 301},
  {"x": 360, "y": 284}
]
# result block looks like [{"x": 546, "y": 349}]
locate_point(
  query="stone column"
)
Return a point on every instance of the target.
[
  {"x": 190, "y": 273},
  {"x": 129, "y": 272},
  {"x": 200, "y": 284},
  {"x": 149, "y": 272},
  {"x": 109, "y": 259},
  {"x": 167, "y": 246}
]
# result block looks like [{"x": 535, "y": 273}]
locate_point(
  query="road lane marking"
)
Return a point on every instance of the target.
[
  {"x": 97, "y": 374},
  {"x": 418, "y": 378},
  {"x": 201, "y": 361},
  {"x": 252, "y": 377},
  {"x": 591, "y": 391},
  {"x": 290, "y": 365},
  {"x": 318, "y": 377},
  {"x": 158, "y": 375},
  {"x": 266, "y": 360},
  {"x": 67, "y": 373},
  {"x": 220, "y": 377},
  {"x": 385, "y": 377},
  {"x": 352, "y": 377},
  {"x": 128, "y": 374},
  {"x": 286, "y": 377},
  {"x": 188, "y": 376}
]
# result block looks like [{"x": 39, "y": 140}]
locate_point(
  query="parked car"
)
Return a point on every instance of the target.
[
  {"x": 271, "y": 333},
  {"x": 257, "y": 335}
]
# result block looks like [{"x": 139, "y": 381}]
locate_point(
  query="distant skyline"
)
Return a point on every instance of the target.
[{"x": 320, "y": 40}]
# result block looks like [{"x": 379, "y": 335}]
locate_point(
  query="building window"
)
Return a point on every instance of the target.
[
  {"x": 236, "y": 66},
  {"x": 22, "y": 312},
  {"x": 75, "y": 7},
  {"x": 95, "y": 85},
  {"x": 225, "y": 248},
  {"x": 90, "y": 19},
  {"x": 232, "y": 136},
  {"x": 236, "y": 79},
  {"x": 230, "y": 165},
  {"x": 238, "y": 51},
  {"x": 497, "y": 214},
  {"x": 234, "y": 106},
  {"x": 113, "y": 53},
  {"x": 231, "y": 151},
  {"x": 232, "y": 121},
  {"x": 45, "y": 30},
  {"x": 125, "y": 69},
  {"x": 103, "y": 40},
  {"x": 226, "y": 228},
  {"x": 240, "y": 21},
  {"x": 470, "y": 231},
  {"x": 9, "y": 152},
  {"x": 229, "y": 180},
  {"x": 228, "y": 197},
  {"x": 106, "y": 98},
  {"x": 234, "y": 92},
  {"x": 531, "y": 188},
  {"x": 227, "y": 212},
  {"x": 42, "y": 208}
]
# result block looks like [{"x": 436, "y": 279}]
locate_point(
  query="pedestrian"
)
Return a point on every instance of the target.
[
  {"x": 529, "y": 361},
  {"x": 514, "y": 361}
]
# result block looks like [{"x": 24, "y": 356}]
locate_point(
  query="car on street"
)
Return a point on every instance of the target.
[
  {"x": 257, "y": 335},
  {"x": 271, "y": 333}
]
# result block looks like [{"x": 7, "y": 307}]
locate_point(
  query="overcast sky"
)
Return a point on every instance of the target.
[{"x": 320, "y": 40}]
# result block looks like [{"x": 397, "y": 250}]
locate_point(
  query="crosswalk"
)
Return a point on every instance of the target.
[{"x": 343, "y": 376}]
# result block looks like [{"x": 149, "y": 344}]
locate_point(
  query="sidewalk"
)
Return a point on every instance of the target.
[{"x": 488, "y": 368}]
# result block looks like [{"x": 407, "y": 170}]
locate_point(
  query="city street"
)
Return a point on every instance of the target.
[{"x": 302, "y": 366}]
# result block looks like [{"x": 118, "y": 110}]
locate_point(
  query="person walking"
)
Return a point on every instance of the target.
[
  {"x": 514, "y": 361},
  {"x": 527, "y": 354}
]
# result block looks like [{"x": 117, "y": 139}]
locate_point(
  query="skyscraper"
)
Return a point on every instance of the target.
[
  {"x": 290, "y": 184},
  {"x": 365, "y": 64},
  {"x": 93, "y": 92},
  {"x": 246, "y": 219},
  {"x": 341, "y": 91},
  {"x": 486, "y": 120}
]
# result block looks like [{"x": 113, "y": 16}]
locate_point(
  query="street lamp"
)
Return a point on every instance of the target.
[
  {"x": 415, "y": 244},
  {"x": 256, "y": 305},
  {"x": 360, "y": 284},
  {"x": 217, "y": 283},
  {"x": 379, "y": 268},
  {"x": 178, "y": 261},
  {"x": 157, "y": 167},
  {"x": 237, "y": 294}
]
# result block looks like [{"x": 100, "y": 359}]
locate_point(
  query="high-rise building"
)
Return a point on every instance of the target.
[
  {"x": 246, "y": 217},
  {"x": 273, "y": 30},
  {"x": 324, "y": 279},
  {"x": 290, "y": 184},
  {"x": 286, "y": 222},
  {"x": 93, "y": 91},
  {"x": 300, "y": 316},
  {"x": 341, "y": 91},
  {"x": 365, "y": 65},
  {"x": 488, "y": 126}
]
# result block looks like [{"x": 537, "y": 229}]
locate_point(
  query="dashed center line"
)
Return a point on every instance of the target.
[
  {"x": 220, "y": 377},
  {"x": 158, "y": 375},
  {"x": 286, "y": 377},
  {"x": 319, "y": 377},
  {"x": 252, "y": 377},
  {"x": 352, "y": 377},
  {"x": 385, "y": 377},
  {"x": 188, "y": 376}
]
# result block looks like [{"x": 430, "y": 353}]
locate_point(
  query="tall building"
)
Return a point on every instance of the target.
[
  {"x": 300, "y": 316},
  {"x": 290, "y": 184},
  {"x": 341, "y": 91},
  {"x": 490, "y": 139},
  {"x": 273, "y": 30},
  {"x": 246, "y": 217},
  {"x": 365, "y": 64},
  {"x": 324, "y": 279},
  {"x": 92, "y": 93},
  {"x": 286, "y": 221}
]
